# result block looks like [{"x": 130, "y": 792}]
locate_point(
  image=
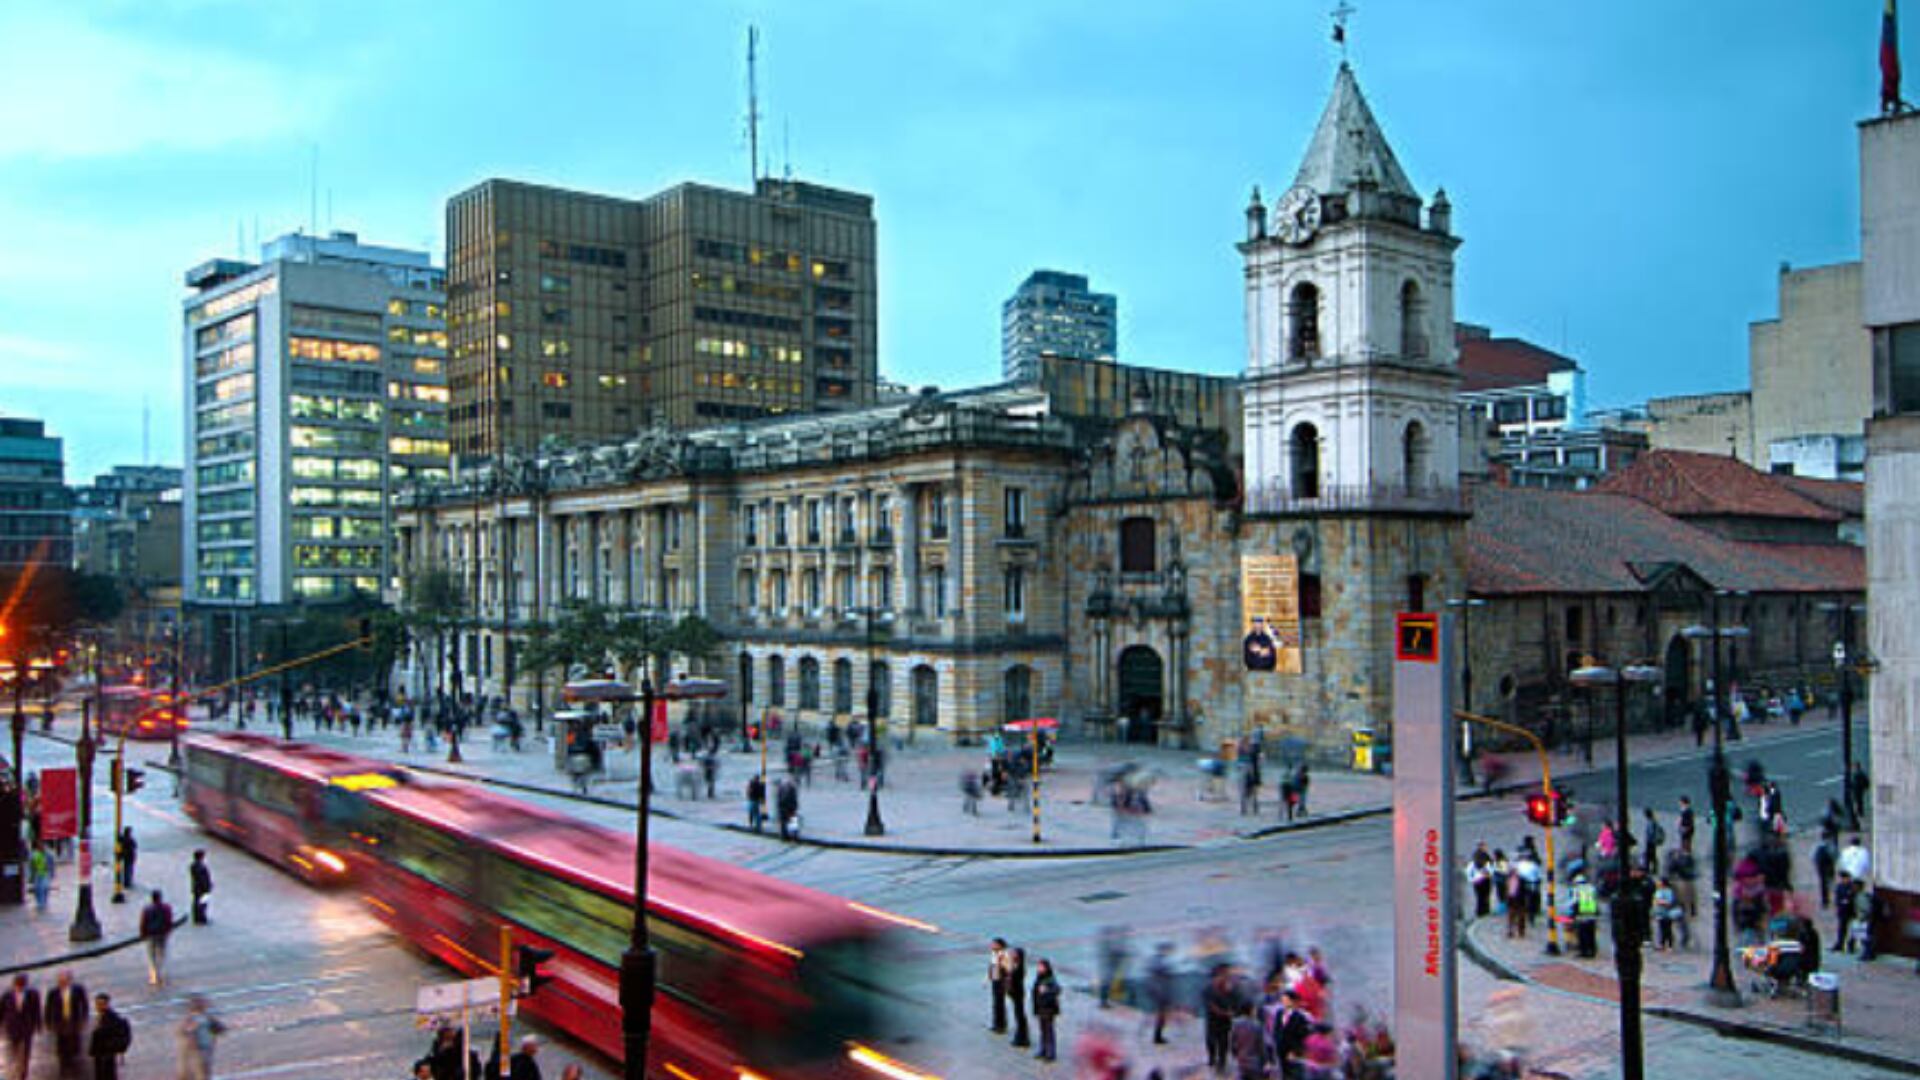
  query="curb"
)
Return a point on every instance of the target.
[
  {"x": 77, "y": 955},
  {"x": 1778, "y": 1036}
]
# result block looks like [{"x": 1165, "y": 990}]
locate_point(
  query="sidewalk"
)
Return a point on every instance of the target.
[
  {"x": 921, "y": 802},
  {"x": 1879, "y": 999}
]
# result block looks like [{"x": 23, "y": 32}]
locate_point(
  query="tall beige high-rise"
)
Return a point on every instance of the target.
[{"x": 588, "y": 316}]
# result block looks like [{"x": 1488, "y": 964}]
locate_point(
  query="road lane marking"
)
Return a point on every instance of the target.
[{"x": 317, "y": 1065}]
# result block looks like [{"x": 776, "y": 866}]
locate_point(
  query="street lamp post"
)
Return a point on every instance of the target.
[
  {"x": 1721, "y": 988},
  {"x": 1841, "y": 668},
  {"x": 638, "y": 969},
  {"x": 1630, "y": 898},
  {"x": 86, "y": 925},
  {"x": 1466, "y": 606},
  {"x": 876, "y": 826}
]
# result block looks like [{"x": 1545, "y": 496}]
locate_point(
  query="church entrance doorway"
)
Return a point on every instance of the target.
[
  {"x": 1679, "y": 681},
  {"x": 1142, "y": 687}
]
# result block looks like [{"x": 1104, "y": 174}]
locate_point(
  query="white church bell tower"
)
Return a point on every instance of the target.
[{"x": 1351, "y": 366}]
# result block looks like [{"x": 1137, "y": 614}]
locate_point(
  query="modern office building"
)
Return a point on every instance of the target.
[
  {"x": 35, "y": 526},
  {"x": 585, "y": 317},
  {"x": 126, "y": 524},
  {"x": 1054, "y": 312},
  {"x": 1890, "y": 293},
  {"x": 315, "y": 384}
]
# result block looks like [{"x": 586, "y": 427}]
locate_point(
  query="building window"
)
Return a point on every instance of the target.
[
  {"x": 810, "y": 589},
  {"x": 1018, "y": 697},
  {"x": 1016, "y": 593},
  {"x": 1305, "y": 447},
  {"x": 843, "y": 686},
  {"x": 1309, "y": 596},
  {"x": 880, "y": 688},
  {"x": 813, "y": 521},
  {"x": 843, "y": 586},
  {"x": 749, "y": 598},
  {"x": 1575, "y": 624},
  {"x": 780, "y": 524},
  {"x": 883, "y": 519},
  {"x": 937, "y": 515},
  {"x": 753, "y": 526},
  {"x": 1137, "y": 546},
  {"x": 809, "y": 683},
  {"x": 1303, "y": 315},
  {"x": 780, "y": 591},
  {"x": 1413, "y": 309},
  {"x": 937, "y": 584},
  {"x": 776, "y": 680},
  {"x": 846, "y": 520},
  {"x": 673, "y": 529},
  {"x": 1413, "y": 457},
  {"x": 1416, "y": 592},
  {"x": 926, "y": 696},
  {"x": 1016, "y": 507},
  {"x": 882, "y": 588}
]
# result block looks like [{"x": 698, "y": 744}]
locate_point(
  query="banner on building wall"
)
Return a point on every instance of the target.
[{"x": 1270, "y": 612}]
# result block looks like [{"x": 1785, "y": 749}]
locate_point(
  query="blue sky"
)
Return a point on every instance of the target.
[{"x": 1627, "y": 176}]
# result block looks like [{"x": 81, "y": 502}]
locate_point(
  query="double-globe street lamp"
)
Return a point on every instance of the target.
[
  {"x": 1630, "y": 899},
  {"x": 86, "y": 924},
  {"x": 1721, "y": 988},
  {"x": 874, "y": 616},
  {"x": 638, "y": 969}
]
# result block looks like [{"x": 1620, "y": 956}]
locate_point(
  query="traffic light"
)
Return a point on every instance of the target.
[
  {"x": 1547, "y": 810},
  {"x": 115, "y": 783},
  {"x": 526, "y": 967},
  {"x": 136, "y": 779}
]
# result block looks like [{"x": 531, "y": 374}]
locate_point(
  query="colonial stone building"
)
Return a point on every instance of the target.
[{"x": 1149, "y": 555}]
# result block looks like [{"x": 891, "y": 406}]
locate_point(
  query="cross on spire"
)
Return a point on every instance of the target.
[{"x": 1340, "y": 15}]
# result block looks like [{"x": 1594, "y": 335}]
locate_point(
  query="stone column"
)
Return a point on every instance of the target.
[{"x": 907, "y": 548}]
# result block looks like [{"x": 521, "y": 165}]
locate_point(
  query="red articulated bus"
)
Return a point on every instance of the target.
[
  {"x": 139, "y": 713},
  {"x": 758, "y": 978}
]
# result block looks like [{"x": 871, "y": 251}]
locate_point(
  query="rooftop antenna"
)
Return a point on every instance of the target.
[
  {"x": 753, "y": 101},
  {"x": 1340, "y": 16},
  {"x": 313, "y": 194},
  {"x": 786, "y": 147}
]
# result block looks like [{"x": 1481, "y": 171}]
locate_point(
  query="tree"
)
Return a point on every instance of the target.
[
  {"x": 434, "y": 607},
  {"x": 649, "y": 642}
]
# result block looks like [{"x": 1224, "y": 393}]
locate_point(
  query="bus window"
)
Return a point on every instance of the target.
[
  {"x": 431, "y": 854},
  {"x": 206, "y": 769},
  {"x": 578, "y": 918}
]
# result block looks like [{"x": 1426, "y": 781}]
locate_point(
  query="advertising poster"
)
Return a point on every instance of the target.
[{"x": 1270, "y": 613}]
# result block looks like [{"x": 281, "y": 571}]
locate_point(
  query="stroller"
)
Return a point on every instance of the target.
[{"x": 1780, "y": 966}]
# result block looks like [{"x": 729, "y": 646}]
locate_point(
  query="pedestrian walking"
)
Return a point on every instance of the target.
[
  {"x": 1653, "y": 838},
  {"x": 1685, "y": 823},
  {"x": 787, "y": 802},
  {"x": 40, "y": 877},
  {"x": 997, "y": 983},
  {"x": 200, "y": 880},
  {"x": 20, "y": 1022},
  {"x": 970, "y": 792},
  {"x": 1017, "y": 996},
  {"x": 1160, "y": 990},
  {"x": 522, "y": 1065},
  {"x": 756, "y": 801},
  {"x": 1222, "y": 1001},
  {"x": 710, "y": 769},
  {"x": 1855, "y": 861},
  {"x": 1247, "y": 1045},
  {"x": 1825, "y": 863},
  {"x": 1666, "y": 910},
  {"x": 65, "y": 1012},
  {"x": 1046, "y": 1008},
  {"x": 1846, "y": 896},
  {"x": 1585, "y": 910},
  {"x": 196, "y": 1035},
  {"x": 1857, "y": 788},
  {"x": 125, "y": 851},
  {"x": 1113, "y": 963},
  {"x": 156, "y": 925},
  {"x": 1291, "y": 1026},
  {"x": 112, "y": 1037},
  {"x": 1480, "y": 876},
  {"x": 1249, "y": 788},
  {"x": 1302, "y": 780}
]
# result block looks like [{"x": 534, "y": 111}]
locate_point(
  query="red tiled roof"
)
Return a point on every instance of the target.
[
  {"x": 1848, "y": 497},
  {"x": 1495, "y": 363},
  {"x": 1527, "y": 540},
  {"x": 1688, "y": 484}
]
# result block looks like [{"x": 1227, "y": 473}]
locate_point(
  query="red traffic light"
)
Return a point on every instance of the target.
[
  {"x": 527, "y": 960},
  {"x": 1547, "y": 810}
]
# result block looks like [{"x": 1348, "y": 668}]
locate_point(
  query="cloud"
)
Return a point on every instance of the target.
[{"x": 79, "y": 90}]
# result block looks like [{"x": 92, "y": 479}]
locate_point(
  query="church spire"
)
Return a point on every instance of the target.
[{"x": 1348, "y": 147}]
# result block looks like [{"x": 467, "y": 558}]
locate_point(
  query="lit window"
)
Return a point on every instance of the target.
[
  {"x": 609, "y": 382},
  {"x": 503, "y": 342},
  {"x": 555, "y": 380}
]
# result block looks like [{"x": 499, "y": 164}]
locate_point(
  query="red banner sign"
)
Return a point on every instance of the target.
[
  {"x": 657, "y": 727},
  {"x": 59, "y": 803}
]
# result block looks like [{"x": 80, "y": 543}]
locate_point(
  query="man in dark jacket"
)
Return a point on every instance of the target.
[
  {"x": 200, "y": 877},
  {"x": 65, "y": 1012},
  {"x": 1291, "y": 1026},
  {"x": 112, "y": 1037},
  {"x": 787, "y": 804},
  {"x": 156, "y": 926},
  {"x": 20, "y": 1022},
  {"x": 997, "y": 983},
  {"x": 125, "y": 851}
]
